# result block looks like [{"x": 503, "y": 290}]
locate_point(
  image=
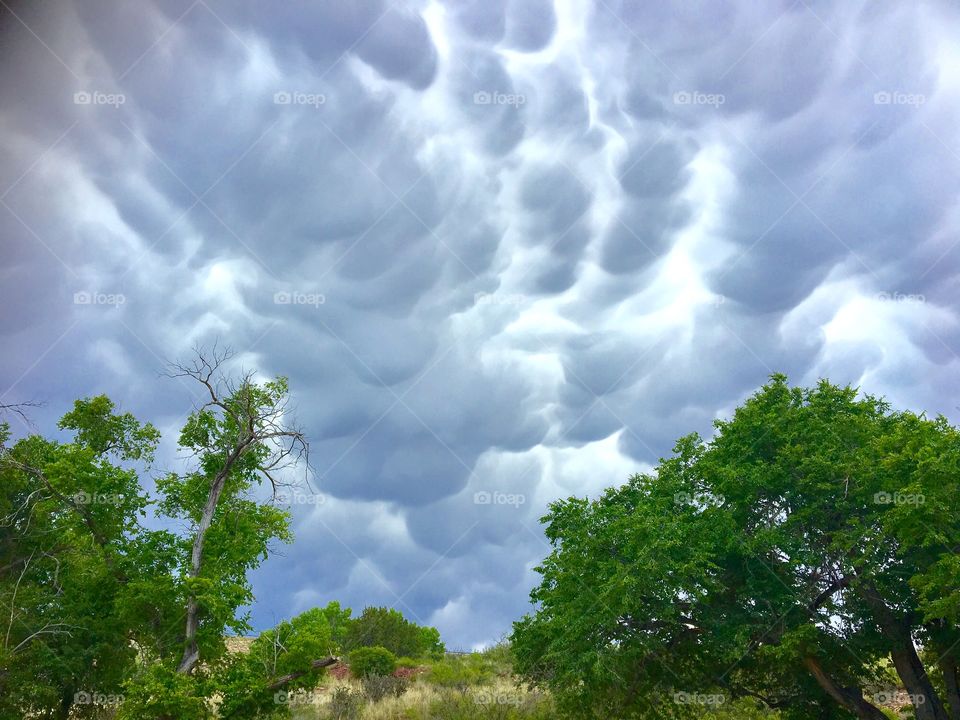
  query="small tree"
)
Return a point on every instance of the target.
[
  {"x": 388, "y": 628},
  {"x": 280, "y": 660},
  {"x": 368, "y": 661}
]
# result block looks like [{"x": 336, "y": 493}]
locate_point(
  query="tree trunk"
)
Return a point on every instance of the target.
[
  {"x": 849, "y": 698},
  {"x": 951, "y": 680},
  {"x": 926, "y": 703},
  {"x": 285, "y": 679},
  {"x": 191, "y": 652}
]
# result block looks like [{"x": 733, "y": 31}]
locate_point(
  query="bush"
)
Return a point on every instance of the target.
[
  {"x": 461, "y": 672},
  {"x": 490, "y": 706},
  {"x": 366, "y": 661},
  {"x": 386, "y": 627},
  {"x": 346, "y": 704},
  {"x": 377, "y": 687}
]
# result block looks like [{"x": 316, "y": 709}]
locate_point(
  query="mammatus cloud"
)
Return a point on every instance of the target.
[{"x": 505, "y": 251}]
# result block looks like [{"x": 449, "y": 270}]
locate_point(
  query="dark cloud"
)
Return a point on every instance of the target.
[{"x": 505, "y": 251}]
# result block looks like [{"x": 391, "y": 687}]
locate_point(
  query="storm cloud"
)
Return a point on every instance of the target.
[{"x": 505, "y": 251}]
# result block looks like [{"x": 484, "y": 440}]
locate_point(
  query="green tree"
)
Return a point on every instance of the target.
[
  {"x": 240, "y": 437},
  {"x": 388, "y": 628},
  {"x": 94, "y": 604},
  {"x": 808, "y": 546},
  {"x": 81, "y": 580},
  {"x": 338, "y": 619},
  {"x": 372, "y": 661},
  {"x": 289, "y": 657}
]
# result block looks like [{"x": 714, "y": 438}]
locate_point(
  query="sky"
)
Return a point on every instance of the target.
[{"x": 506, "y": 251}]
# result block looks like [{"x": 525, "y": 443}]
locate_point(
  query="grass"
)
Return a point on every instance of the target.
[{"x": 500, "y": 700}]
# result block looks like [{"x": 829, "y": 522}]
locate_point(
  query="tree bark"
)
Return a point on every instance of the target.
[
  {"x": 191, "y": 653},
  {"x": 850, "y": 698},
  {"x": 951, "y": 680},
  {"x": 285, "y": 679},
  {"x": 926, "y": 703}
]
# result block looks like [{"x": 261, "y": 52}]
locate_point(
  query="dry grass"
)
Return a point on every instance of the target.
[{"x": 415, "y": 703}]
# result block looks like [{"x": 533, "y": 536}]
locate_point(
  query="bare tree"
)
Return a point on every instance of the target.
[
  {"x": 20, "y": 410},
  {"x": 258, "y": 427}
]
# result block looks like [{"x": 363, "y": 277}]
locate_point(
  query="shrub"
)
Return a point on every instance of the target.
[
  {"x": 366, "y": 661},
  {"x": 345, "y": 704},
  {"x": 487, "y": 706},
  {"x": 386, "y": 627},
  {"x": 461, "y": 672},
  {"x": 377, "y": 687}
]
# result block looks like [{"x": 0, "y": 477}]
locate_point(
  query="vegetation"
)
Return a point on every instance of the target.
[
  {"x": 802, "y": 563},
  {"x": 367, "y": 661},
  {"x": 104, "y": 615},
  {"x": 796, "y": 557},
  {"x": 388, "y": 628}
]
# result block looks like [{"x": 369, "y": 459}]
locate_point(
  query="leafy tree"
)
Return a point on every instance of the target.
[
  {"x": 81, "y": 580},
  {"x": 240, "y": 437},
  {"x": 375, "y": 660},
  {"x": 388, "y": 628},
  {"x": 98, "y": 606},
  {"x": 808, "y": 546},
  {"x": 338, "y": 620},
  {"x": 280, "y": 660}
]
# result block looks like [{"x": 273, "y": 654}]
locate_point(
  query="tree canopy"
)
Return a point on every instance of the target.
[
  {"x": 805, "y": 555},
  {"x": 388, "y": 628}
]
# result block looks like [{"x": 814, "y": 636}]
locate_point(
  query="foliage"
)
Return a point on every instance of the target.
[
  {"x": 292, "y": 645},
  {"x": 81, "y": 580},
  {"x": 786, "y": 558},
  {"x": 338, "y": 619},
  {"x": 377, "y": 687},
  {"x": 365, "y": 661},
  {"x": 388, "y": 628},
  {"x": 461, "y": 671},
  {"x": 94, "y": 601},
  {"x": 502, "y": 704},
  {"x": 238, "y": 439},
  {"x": 159, "y": 691},
  {"x": 346, "y": 703}
]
